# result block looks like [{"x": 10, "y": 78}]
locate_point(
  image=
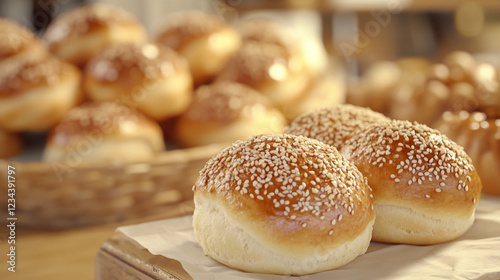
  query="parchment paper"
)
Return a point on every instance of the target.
[{"x": 475, "y": 255}]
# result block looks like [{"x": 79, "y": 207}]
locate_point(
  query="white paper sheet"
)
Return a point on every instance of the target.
[{"x": 475, "y": 255}]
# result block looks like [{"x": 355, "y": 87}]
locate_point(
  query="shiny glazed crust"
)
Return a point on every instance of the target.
[
  {"x": 77, "y": 35},
  {"x": 35, "y": 92},
  {"x": 479, "y": 133},
  {"x": 334, "y": 125},
  {"x": 104, "y": 132},
  {"x": 225, "y": 112},
  {"x": 148, "y": 76},
  {"x": 412, "y": 166},
  {"x": 297, "y": 198}
]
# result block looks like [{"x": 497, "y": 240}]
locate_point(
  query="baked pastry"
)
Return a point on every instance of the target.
[
  {"x": 479, "y": 133},
  {"x": 265, "y": 30},
  {"x": 150, "y": 77},
  {"x": 203, "y": 39},
  {"x": 425, "y": 188},
  {"x": 382, "y": 80},
  {"x": 10, "y": 144},
  {"x": 79, "y": 34},
  {"x": 18, "y": 41},
  {"x": 36, "y": 92},
  {"x": 459, "y": 83},
  {"x": 269, "y": 32},
  {"x": 225, "y": 112},
  {"x": 282, "y": 204},
  {"x": 336, "y": 124},
  {"x": 279, "y": 75},
  {"x": 103, "y": 133}
]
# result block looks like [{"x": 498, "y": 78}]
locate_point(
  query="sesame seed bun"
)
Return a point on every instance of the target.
[
  {"x": 35, "y": 92},
  {"x": 79, "y": 34},
  {"x": 282, "y": 204},
  {"x": 224, "y": 112},
  {"x": 425, "y": 187},
  {"x": 150, "y": 77},
  {"x": 205, "y": 40},
  {"x": 103, "y": 133},
  {"x": 334, "y": 125},
  {"x": 18, "y": 41},
  {"x": 479, "y": 133}
]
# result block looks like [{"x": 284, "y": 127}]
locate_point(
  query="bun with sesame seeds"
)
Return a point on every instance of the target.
[
  {"x": 224, "y": 112},
  {"x": 35, "y": 92},
  {"x": 17, "y": 41},
  {"x": 479, "y": 133},
  {"x": 282, "y": 204},
  {"x": 106, "y": 132},
  {"x": 425, "y": 187},
  {"x": 150, "y": 77},
  {"x": 79, "y": 34},
  {"x": 280, "y": 75},
  {"x": 205, "y": 40},
  {"x": 334, "y": 125}
]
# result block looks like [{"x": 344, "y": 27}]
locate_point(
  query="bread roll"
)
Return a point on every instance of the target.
[
  {"x": 103, "y": 133},
  {"x": 458, "y": 83},
  {"x": 203, "y": 39},
  {"x": 479, "y": 133},
  {"x": 150, "y": 77},
  {"x": 36, "y": 92},
  {"x": 18, "y": 41},
  {"x": 77, "y": 35},
  {"x": 277, "y": 74},
  {"x": 334, "y": 125},
  {"x": 425, "y": 187},
  {"x": 282, "y": 204},
  {"x": 225, "y": 112}
]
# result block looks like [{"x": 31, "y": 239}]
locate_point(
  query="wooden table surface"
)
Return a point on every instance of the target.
[{"x": 63, "y": 254}]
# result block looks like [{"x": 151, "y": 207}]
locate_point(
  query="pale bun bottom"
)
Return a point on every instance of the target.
[
  {"x": 398, "y": 224},
  {"x": 227, "y": 242}
]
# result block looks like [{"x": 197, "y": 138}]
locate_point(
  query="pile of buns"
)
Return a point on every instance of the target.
[
  {"x": 458, "y": 95},
  {"x": 198, "y": 80},
  {"x": 312, "y": 199}
]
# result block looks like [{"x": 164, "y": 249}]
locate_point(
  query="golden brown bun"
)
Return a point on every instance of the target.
[
  {"x": 36, "y": 92},
  {"x": 380, "y": 82},
  {"x": 425, "y": 187},
  {"x": 334, "y": 125},
  {"x": 103, "y": 133},
  {"x": 225, "y": 112},
  {"x": 77, "y": 35},
  {"x": 203, "y": 39},
  {"x": 459, "y": 83},
  {"x": 10, "y": 144},
  {"x": 18, "y": 41},
  {"x": 262, "y": 30},
  {"x": 150, "y": 77},
  {"x": 280, "y": 76},
  {"x": 479, "y": 133},
  {"x": 282, "y": 204},
  {"x": 269, "y": 32},
  {"x": 327, "y": 89}
]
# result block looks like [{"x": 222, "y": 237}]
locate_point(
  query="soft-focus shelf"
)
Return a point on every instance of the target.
[{"x": 359, "y": 5}]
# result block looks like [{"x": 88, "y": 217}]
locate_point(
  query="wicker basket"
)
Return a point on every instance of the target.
[{"x": 49, "y": 196}]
